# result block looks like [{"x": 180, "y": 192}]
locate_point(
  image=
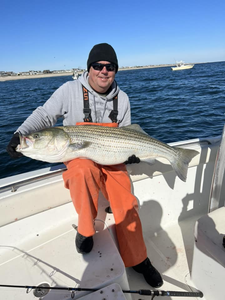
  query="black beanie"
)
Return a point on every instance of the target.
[{"x": 102, "y": 52}]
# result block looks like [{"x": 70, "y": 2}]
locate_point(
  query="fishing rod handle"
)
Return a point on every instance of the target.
[
  {"x": 184, "y": 294},
  {"x": 170, "y": 293}
]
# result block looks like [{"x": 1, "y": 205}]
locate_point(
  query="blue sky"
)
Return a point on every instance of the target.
[{"x": 44, "y": 34}]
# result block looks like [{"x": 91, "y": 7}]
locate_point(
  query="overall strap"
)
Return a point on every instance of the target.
[
  {"x": 86, "y": 110},
  {"x": 114, "y": 113}
]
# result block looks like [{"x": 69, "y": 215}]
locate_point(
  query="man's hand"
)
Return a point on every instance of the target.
[
  {"x": 132, "y": 160},
  {"x": 11, "y": 148}
]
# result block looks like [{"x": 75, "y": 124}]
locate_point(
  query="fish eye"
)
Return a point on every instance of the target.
[{"x": 36, "y": 136}]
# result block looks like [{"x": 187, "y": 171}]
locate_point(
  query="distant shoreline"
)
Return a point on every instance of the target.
[{"x": 7, "y": 78}]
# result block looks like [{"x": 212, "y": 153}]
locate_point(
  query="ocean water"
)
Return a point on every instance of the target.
[{"x": 169, "y": 106}]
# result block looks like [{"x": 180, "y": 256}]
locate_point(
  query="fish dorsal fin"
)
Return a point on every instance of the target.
[{"x": 135, "y": 127}]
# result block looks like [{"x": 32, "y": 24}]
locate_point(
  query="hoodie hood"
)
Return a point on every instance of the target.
[
  {"x": 100, "y": 105},
  {"x": 114, "y": 88}
]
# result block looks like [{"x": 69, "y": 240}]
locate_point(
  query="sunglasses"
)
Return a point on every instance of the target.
[{"x": 99, "y": 67}]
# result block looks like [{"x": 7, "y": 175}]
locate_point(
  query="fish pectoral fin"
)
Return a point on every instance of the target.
[
  {"x": 148, "y": 160},
  {"x": 79, "y": 145},
  {"x": 135, "y": 127}
]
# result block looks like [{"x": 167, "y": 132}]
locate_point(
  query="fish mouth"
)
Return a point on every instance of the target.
[{"x": 25, "y": 143}]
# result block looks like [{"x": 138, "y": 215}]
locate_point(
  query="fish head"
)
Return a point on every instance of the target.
[{"x": 47, "y": 145}]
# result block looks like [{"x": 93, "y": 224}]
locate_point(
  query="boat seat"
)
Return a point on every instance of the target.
[
  {"x": 210, "y": 230},
  {"x": 209, "y": 255}
]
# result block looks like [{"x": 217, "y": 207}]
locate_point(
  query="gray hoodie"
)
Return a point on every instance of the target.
[{"x": 67, "y": 103}]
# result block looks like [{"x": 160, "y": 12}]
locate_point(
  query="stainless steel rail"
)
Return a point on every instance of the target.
[{"x": 15, "y": 185}]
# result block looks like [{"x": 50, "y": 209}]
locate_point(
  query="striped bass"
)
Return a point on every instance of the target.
[{"x": 103, "y": 145}]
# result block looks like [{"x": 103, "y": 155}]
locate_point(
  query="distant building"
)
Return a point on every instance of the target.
[{"x": 4, "y": 74}]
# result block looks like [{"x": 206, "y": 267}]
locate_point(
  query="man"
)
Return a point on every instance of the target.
[{"x": 96, "y": 99}]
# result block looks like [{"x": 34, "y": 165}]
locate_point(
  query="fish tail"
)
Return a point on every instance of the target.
[{"x": 181, "y": 162}]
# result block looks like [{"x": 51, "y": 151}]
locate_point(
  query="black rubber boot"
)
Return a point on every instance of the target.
[
  {"x": 151, "y": 275},
  {"x": 84, "y": 244}
]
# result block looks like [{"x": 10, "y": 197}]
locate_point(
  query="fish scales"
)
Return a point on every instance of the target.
[
  {"x": 115, "y": 141},
  {"x": 115, "y": 136}
]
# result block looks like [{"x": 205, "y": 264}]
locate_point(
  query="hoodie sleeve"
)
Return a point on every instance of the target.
[
  {"x": 46, "y": 115},
  {"x": 124, "y": 109}
]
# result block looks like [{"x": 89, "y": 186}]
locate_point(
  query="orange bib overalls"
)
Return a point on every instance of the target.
[{"x": 85, "y": 178}]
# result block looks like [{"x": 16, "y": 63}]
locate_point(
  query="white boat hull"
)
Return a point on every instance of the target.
[
  {"x": 37, "y": 233},
  {"x": 184, "y": 67}
]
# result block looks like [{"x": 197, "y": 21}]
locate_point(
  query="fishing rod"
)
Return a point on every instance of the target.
[{"x": 43, "y": 289}]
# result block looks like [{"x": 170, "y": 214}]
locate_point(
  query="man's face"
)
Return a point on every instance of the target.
[{"x": 101, "y": 81}]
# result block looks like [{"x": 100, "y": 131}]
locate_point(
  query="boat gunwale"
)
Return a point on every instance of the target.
[{"x": 12, "y": 183}]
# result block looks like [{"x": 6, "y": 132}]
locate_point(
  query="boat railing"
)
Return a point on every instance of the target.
[
  {"x": 208, "y": 141},
  {"x": 13, "y": 183},
  {"x": 45, "y": 174}
]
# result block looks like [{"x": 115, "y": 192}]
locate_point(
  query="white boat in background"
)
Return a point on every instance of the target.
[
  {"x": 183, "y": 227},
  {"x": 182, "y": 66},
  {"x": 75, "y": 75}
]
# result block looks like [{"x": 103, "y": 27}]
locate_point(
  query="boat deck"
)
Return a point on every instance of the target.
[
  {"x": 170, "y": 251},
  {"x": 42, "y": 249}
]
